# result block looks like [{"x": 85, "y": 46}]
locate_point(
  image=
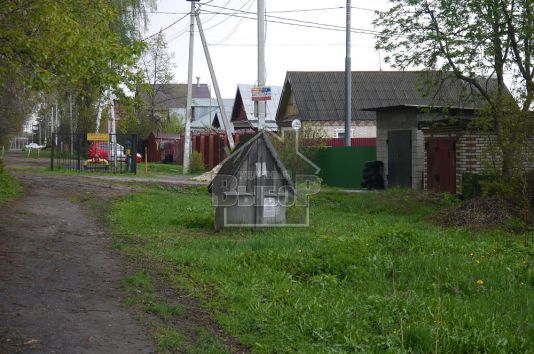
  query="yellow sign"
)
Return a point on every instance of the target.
[{"x": 97, "y": 136}]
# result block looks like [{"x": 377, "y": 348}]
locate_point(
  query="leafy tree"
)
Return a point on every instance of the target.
[
  {"x": 156, "y": 67},
  {"x": 77, "y": 46},
  {"x": 473, "y": 39},
  {"x": 174, "y": 124}
]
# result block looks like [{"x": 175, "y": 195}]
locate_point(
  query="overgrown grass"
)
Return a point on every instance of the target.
[
  {"x": 368, "y": 275},
  {"x": 9, "y": 185}
]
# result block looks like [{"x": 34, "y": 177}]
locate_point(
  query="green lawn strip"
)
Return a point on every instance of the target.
[
  {"x": 368, "y": 275},
  {"x": 155, "y": 170},
  {"x": 9, "y": 186}
]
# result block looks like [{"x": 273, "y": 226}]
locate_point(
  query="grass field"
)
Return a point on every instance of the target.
[
  {"x": 370, "y": 274},
  {"x": 154, "y": 170},
  {"x": 9, "y": 186}
]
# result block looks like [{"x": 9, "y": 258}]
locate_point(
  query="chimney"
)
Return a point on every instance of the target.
[{"x": 198, "y": 81}]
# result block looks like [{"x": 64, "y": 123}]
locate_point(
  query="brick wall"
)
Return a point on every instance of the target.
[{"x": 473, "y": 153}]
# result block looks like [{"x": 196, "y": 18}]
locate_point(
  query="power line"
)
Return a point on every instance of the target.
[
  {"x": 274, "y": 12},
  {"x": 278, "y": 19},
  {"x": 167, "y": 27},
  {"x": 238, "y": 11},
  {"x": 248, "y": 2},
  {"x": 231, "y": 33},
  {"x": 306, "y": 24},
  {"x": 288, "y": 45}
]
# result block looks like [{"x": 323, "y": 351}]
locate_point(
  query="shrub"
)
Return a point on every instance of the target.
[{"x": 197, "y": 163}]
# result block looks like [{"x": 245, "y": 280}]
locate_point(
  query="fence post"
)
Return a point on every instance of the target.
[
  {"x": 78, "y": 155},
  {"x": 211, "y": 150},
  {"x": 52, "y": 153},
  {"x": 134, "y": 153}
]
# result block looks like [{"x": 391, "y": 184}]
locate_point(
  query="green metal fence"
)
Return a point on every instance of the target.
[{"x": 343, "y": 166}]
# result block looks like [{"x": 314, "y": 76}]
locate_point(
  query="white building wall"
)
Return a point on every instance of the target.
[{"x": 359, "y": 129}]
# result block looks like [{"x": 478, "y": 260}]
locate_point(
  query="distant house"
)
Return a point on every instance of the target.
[
  {"x": 419, "y": 120},
  {"x": 206, "y": 113},
  {"x": 164, "y": 147},
  {"x": 243, "y": 116},
  {"x": 171, "y": 99},
  {"x": 217, "y": 118},
  {"x": 317, "y": 99},
  {"x": 421, "y": 124}
]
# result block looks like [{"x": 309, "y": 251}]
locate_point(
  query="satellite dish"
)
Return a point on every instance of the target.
[{"x": 296, "y": 124}]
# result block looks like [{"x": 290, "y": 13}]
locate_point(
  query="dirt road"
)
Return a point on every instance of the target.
[{"x": 59, "y": 279}]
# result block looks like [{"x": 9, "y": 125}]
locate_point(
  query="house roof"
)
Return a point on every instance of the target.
[
  {"x": 175, "y": 95},
  {"x": 423, "y": 106},
  {"x": 244, "y": 91},
  {"x": 231, "y": 165},
  {"x": 206, "y": 121},
  {"x": 166, "y": 136},
  {"x": 320, "y": 96}
]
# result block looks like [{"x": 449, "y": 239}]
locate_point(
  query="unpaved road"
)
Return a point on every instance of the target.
[{"x": 59, "y": 279}]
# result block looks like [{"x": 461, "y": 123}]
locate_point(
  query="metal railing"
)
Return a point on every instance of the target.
[{"x": 74, "y": 152}]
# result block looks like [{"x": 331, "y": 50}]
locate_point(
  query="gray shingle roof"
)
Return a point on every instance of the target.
[
  {"x": 320, "y": 95},
  {"x": 270, "y": 106},
  {"x": 175, "y": 95}
]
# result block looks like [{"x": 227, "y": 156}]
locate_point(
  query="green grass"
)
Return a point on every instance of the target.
[
  {"x": 369, "y": 274},
  {"x": 140, "y": 289},
  {"x": 154, "y": 170},
  {"x": 35, "y": 153},
  {"x": 9, "y": 185},
  {"x": 160, "y": 168}
]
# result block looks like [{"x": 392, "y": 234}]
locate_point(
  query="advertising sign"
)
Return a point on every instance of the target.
[
  {"x": 97, "y": 136},
  {"x": 261, "y": 94}
]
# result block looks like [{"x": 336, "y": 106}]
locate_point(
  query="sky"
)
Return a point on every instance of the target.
[{"x": 232, "y": 39}]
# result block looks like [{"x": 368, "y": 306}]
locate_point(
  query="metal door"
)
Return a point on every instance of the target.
[
  {"x": 399, "y": 158},
  {"x": 441, "y": 165}
]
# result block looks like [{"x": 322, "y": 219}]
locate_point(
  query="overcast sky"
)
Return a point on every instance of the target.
[{"x": 232, "y": 39}]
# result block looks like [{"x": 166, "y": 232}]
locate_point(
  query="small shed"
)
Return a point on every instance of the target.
[
  {"x": 252, "y": 187},
  {"x": 163, "y": 147}
]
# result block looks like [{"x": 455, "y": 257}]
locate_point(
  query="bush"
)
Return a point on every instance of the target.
[
  {"x": 197, "y": 163},
  {"x": 472, "y": 184}
]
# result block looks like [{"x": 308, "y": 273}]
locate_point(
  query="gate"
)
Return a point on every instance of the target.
[
  {"x": 399, "y": 158},
  {"x": 113, "y": 153},
  {"x": 441, "y": 165}
]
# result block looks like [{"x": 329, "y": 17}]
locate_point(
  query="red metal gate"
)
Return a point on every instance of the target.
[{"x": 441, "y": 164}]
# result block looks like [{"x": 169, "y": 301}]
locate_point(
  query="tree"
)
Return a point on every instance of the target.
[
  {"x": 156, "y": 66},
  {"x": 77, "y": 46},
  {"x": 473, "y": 39}
]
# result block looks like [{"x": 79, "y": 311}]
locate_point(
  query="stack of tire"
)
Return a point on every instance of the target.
[{"x": 373, "y": 175}]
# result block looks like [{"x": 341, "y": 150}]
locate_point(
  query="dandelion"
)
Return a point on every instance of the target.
[{"x": 480, "y": 282}]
